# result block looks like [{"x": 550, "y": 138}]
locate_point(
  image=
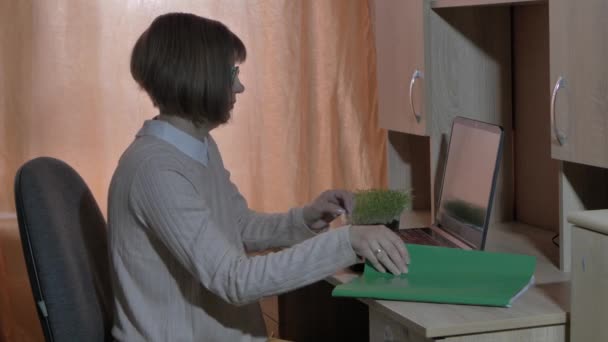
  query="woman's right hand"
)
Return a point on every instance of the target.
[{"x": 381, "y": 246}]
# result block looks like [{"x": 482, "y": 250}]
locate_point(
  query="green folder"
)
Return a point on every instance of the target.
[{"x": 448, "y": 275}]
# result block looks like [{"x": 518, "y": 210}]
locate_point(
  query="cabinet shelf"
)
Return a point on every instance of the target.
[{"x": 468, "y": 3}]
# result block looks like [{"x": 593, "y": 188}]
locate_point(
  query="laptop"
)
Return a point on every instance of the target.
[{"x": 467, "y": 188}]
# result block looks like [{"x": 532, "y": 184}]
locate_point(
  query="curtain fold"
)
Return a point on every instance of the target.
[{"x": 306, "y": 122}]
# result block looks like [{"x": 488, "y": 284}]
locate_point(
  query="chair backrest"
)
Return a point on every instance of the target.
[{"x": 63, "y": 234}]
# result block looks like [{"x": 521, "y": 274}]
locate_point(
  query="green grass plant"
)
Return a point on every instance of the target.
[{"x": 379, "y": 206}]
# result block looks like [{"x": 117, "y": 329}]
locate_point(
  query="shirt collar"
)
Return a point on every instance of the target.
[{"x": 187, "y": 144}]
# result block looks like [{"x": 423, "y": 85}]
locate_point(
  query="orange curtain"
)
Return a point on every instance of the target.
[{"x": 306, "y": 122}]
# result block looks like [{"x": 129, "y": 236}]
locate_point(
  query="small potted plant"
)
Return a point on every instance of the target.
[{"x": 379, "y": 206}]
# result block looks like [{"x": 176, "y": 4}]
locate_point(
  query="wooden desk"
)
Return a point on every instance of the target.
[{"x": 539, "y": 315}]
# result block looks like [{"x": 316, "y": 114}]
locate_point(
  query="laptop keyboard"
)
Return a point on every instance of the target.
[{"x": 418, "y": 236}]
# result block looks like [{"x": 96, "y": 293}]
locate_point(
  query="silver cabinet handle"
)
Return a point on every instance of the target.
[
  {"x": 561, "y": 137},
  {"x": 416, "y": 75}
]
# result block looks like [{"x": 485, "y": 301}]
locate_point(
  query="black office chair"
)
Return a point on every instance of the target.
[{"x": 63, "y": 234}]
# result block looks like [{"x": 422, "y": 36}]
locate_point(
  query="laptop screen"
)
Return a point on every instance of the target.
[{"x": 469, "y": 180}]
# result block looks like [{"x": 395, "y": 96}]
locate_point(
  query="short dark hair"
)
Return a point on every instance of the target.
[{"x": 184, "y": 63}]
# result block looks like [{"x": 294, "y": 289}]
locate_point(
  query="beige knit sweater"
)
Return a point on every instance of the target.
[{"x": 178, "y": 232}]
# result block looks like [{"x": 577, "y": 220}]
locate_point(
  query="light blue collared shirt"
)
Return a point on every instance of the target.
[{"x": 181, "y": 140}]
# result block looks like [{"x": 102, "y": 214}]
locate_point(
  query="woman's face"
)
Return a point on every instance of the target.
[{"x": 237, "y": 88}]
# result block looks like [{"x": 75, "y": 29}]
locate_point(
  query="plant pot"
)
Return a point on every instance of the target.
[{"x": 393, "y": 225}]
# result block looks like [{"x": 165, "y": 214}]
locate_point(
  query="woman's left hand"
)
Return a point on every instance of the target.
[{"x": 325, "y": 208}]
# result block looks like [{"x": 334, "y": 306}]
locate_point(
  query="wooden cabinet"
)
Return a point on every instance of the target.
[
  {"x": 579, "y": 51},
  {"x": 400, "y": 65},
  {"x": 500, "y": 64},
  {"x": 464, "y": 55},
  {"x": 589, "y": 288},
  {"x": 578, "y": 108}
]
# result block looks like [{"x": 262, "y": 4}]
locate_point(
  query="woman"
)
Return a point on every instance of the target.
[{"x": 178, "y": 227}]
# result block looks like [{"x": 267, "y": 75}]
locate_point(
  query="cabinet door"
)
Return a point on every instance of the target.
[
  {"x": 399, "y": 36},
  {"x": 589, "y": 294},
  {"x": 579, "y": 72}
]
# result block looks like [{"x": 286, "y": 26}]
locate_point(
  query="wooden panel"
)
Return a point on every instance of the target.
[
  {"x": 581, "y": 187},
  {"x": 536, "y": 173},
  {"x": 579, "y": 51},
  {"x": 542, "y": 334},
  {"x": 544, "y": 304},
  {"x": 596, "y": 220},
  {"x": 272, "y": 327},
  {"x": 470, "y": 75},
  {"x": 409, "y": 167},
  {"x": 398, "y": 27},
  {"x": 311, "y": 314},
  {"x": 382, "y": 329},
  {"x": 468, "y": 3},
  {"x": 589, "y": 286},
  {"x": 18, "y": 316},
  {"x": 270, "y": 307}
]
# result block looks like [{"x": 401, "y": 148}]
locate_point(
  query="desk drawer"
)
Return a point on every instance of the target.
[
  {"x": 384, "y": 329},
  {"x": 589, "y": 289}
]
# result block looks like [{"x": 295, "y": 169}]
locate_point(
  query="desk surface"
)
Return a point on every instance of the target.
[
  {"x": 545, "y": 303},
  {"x": 596, "y": 220}
]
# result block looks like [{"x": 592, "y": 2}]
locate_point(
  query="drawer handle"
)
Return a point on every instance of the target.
[
  {"x": 561, "y": 137},
  {"x": 416, "y": 75}
]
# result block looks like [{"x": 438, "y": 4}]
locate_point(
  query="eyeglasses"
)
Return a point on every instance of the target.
[{"x": 234, "y": 72}]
